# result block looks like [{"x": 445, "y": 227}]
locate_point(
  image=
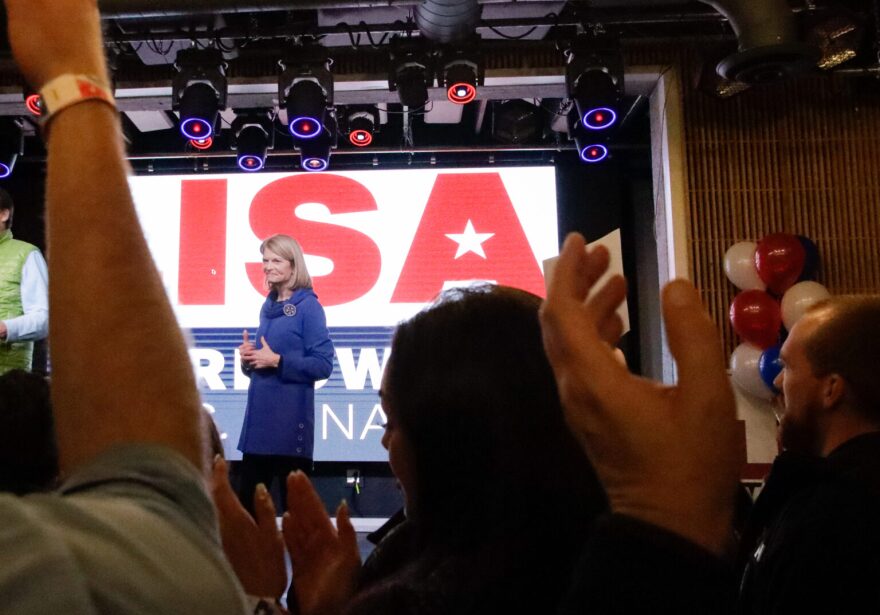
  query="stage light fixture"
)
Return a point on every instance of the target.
[
  {"x": 591, "y": 147},
  {"x": 315, "y": 155},
  {"x": 254, "y": 136},
  {"x": 34, "y": 104},
  {"x": 461, "y": 82},
  {"x": 594, "y": 79},
  {"x": 410, "y": 71},
  {"x": 11, "y": 144},
  {"x": 305, "y": 88},
  {"x": 198, "y": 91},
  {"x": 462, "y": 73},
  {"x": 306, "y": 107},
  {"x": 591, "y": 152},
  {"x": 361, "y": 124},
  {"x": 202, "y": 144}
]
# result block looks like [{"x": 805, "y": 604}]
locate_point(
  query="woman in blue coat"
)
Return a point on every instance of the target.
[{"x": 292, "y": 351}]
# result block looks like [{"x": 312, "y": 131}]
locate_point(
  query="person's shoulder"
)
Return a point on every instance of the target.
[
  {"x": 307, "y": 299},
  {"x": 24, "y": 246},
  {"x": 52, "y": 580},
  {"x": 836, "y": 512},
  {"x": 74, "y": 540},
  {"x": 154, "y": 476}
]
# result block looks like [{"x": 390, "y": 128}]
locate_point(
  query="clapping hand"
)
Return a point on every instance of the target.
[
  {"x": 666, "y": 455},
  {"x": 254, "y": 547},
  {"x": 325, "y": 560}
]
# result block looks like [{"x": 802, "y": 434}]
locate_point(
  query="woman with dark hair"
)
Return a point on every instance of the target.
[
  {"x": 292, "y": 351},
  {"x": 499, "y": 496}
]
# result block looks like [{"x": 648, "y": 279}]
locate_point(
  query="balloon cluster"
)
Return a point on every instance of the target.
[{"x": 780, "y": 265}]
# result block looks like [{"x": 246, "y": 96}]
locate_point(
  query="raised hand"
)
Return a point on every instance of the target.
[
  {"x": 325, "y": 560},
  {"x": 666, "y": 455},
  {"x": 260, "y": 358},
  {"x": 255, "y": 548}
]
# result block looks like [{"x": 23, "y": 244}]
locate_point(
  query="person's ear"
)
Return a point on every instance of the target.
[{"x": 833, "y": 390}]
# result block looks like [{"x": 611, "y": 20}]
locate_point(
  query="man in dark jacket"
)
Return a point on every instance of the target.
[{"x": 813, "y": 544}]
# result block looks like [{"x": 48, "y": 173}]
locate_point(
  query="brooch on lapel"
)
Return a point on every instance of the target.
[{"x": 289, "y": 309}]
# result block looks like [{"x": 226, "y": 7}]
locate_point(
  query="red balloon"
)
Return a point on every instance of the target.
[
  {"x": 780, "y": 259},
  {"x": 756, "y": 317}
]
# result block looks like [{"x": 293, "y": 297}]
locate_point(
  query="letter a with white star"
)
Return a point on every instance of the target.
[{"x": 469, "y": 240}]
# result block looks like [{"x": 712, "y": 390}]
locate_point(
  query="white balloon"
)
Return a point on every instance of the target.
[
  {"x": 745, "y": 373},
  {"x": 798, "y": 299},
  {"x": 739, "y": 265}
]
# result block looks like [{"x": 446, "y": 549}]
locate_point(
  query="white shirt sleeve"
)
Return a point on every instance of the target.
[{"x": 34, "y": 323}]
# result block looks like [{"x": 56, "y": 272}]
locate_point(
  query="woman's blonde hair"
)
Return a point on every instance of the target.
[{"x": 287, "y": 247}]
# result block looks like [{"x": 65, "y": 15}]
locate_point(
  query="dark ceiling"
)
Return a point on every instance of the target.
[{"x": 522, "y": 105}]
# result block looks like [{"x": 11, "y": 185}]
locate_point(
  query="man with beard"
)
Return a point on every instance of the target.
[{"x": 813, "y": 544}]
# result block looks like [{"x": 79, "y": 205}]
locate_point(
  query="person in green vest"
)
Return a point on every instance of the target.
[{"x": 24, "y": 303}]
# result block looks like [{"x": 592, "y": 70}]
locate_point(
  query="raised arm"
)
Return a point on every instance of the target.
[{"x": 120, "y": 369}]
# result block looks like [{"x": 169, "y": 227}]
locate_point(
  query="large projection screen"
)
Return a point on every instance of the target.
[{"x": 379, "y": 245}]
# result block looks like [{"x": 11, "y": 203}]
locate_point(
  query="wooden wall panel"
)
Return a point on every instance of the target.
[{"x": 801, "y": 157}]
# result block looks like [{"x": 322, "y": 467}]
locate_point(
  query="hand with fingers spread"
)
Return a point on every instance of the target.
[
  {"x": 325, "y": 560},
  {"x": 255, "y": 548},
  {"x": 259, "y": 358},
  {"x": 666, "y": 455}
]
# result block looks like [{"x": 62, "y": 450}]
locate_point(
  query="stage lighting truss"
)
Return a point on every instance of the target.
[
  {"x": 594, "y": 79},
  {"x": 305, "y": 89},
  {"x": 410, "y": 71},
  {"x": 11, "y": 144},
  {"x": 315, "y": 153},
  {"x": 461, "y": 73},
  {"x": 361, "y": 123},
  {"x": 253, "y": 136},
  {"x": 198, "y": 91}
]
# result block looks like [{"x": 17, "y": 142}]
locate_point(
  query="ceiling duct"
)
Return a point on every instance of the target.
[
  {"x": 447, "y": 21},
  {"x": 769, "y": 47}
]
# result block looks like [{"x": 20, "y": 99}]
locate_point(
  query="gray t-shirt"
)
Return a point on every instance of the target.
[{"x": 133, "y": 532}]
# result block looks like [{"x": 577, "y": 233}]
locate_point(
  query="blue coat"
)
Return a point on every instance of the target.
[{"x": 280, "y": 415}]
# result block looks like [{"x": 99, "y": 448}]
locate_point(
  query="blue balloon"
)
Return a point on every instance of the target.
[
  {"x": 811, "y": 260},
  {"x": 769, "y": 365}
]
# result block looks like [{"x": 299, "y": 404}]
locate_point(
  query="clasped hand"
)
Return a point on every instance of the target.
[{"x": 257, "y": 358}]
